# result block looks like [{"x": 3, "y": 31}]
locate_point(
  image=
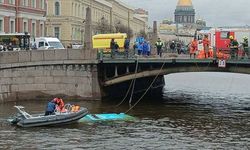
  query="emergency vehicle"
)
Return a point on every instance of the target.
[
  {"x": 219, "y": 40},
  {"x": 102, "y": 41}
]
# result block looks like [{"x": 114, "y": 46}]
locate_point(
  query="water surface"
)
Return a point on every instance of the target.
[{"x": 197, "y": 111}]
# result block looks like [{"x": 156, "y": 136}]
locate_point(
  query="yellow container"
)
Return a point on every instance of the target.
[{"x": 102, "y": 41}]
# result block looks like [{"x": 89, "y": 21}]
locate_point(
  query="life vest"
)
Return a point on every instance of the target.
[
  {"x": 206, "y": 42},
  {"x": 59, "y": 104},
  {"x": 75, "y": 108},
  {"x": 159, "y": 43},
  {"x": 193, "y": 46}
]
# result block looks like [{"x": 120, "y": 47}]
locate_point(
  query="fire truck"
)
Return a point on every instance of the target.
[{"x": 219, "y": 40}]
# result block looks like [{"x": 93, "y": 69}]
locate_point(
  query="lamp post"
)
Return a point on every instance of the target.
[{"x": 82, "y": 31}]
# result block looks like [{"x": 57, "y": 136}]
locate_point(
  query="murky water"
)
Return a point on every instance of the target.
[{"x": 198, "y": 111}]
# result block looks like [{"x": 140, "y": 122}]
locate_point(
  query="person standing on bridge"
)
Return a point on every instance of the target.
[
  {"x": 193, "y": 47},
  {"x": 149, "y": 48},
  {"x": 206, "y": 44},
  {"x": 178, "y": 47},
  {"x": 245, "y": 47},
  {"x": 172, "y": 47},
  {"x": 112, "y": 47},
  {"x": 234, "y": 45},
  {"x": 159, "y": 46},
  {"x": 126, "y": 47}
]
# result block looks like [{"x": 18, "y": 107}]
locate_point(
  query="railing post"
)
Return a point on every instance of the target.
[
  {"x": 127, "y": 69},
  {"x": 105, "y": 73},
  {"x": 116, "y": 71}
]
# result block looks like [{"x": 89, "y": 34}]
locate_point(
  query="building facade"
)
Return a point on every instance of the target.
[
  {"x": 185, "y": 12},
  {"x": 18, "y": 16},
  {"x": 66, "y": 18},
  {"x": 141, "y": 13}
]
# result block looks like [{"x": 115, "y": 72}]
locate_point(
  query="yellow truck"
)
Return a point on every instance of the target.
[{"x": 102, "y": 41}]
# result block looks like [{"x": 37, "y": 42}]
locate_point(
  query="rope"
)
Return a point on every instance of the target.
[
  {"x": 132, "y": 83},
  {"x": 146, "y": 90}
]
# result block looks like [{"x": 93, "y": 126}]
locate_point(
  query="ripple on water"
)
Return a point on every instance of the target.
[{"x": 192, "y": 115}]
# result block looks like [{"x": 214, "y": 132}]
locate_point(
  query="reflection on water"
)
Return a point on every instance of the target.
[{"x": 198, "y": 111}]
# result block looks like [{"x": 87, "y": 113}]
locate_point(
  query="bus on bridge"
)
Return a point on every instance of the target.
[{"x": 14, "y": 41}]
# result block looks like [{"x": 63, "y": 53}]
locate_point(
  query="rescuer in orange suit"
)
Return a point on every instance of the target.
[
  {"x": 60, "y": 104},
  {"x": 206, "y": 44},
  {"x": 56, "y": 104},
  {"x": 193, "y": 47}
]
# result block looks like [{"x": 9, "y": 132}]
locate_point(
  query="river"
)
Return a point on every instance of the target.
[{"x": 197, "y": 111}]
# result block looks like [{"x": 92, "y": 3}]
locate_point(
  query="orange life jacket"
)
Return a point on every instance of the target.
[
  {"x": 206, "y": 42},
  {"x": 75, "y": 108}
]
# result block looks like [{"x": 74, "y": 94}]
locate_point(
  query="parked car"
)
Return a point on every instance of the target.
[{"x": 48, "y": 43}]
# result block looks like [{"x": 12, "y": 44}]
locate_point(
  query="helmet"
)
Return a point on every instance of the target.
[
  {"x": 231, "y": 37},
  {"x": 245, "y": 38}
]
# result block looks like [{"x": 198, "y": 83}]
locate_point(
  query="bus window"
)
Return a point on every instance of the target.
[{"x": 46, "y": 44}]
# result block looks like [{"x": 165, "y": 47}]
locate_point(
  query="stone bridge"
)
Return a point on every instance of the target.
[
  {"x": 42, "y": 74},
  {"x": 118, "y": 74},
  {"x": 77, "y": 74}
]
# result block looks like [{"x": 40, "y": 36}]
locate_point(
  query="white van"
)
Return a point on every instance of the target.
[{"x": 43, "y": 43}]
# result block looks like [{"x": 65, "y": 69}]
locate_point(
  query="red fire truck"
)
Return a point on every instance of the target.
[{"x": 219, "y": 40}]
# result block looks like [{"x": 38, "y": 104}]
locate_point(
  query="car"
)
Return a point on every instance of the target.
[{"x": 46, "y": 48}]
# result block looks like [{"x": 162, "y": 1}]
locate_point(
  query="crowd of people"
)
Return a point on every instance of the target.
[
  {"x": 6, "y": 47},
  {"x": 144, "y": 48}
]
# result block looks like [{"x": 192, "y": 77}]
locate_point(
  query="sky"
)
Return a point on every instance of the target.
[{"x": 214, "y": 12}]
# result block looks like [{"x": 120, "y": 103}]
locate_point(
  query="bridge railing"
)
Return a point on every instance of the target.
[
  {"x": 240, "y": 54},
  {"x": 46, "y": 55}
]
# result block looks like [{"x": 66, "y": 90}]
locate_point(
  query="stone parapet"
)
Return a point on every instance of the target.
[
  {"x": 46, "y": 55},
  {"x": 43, "y": 74}
]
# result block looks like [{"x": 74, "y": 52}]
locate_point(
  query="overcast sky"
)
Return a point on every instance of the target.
[{"x": 215, "y": 12}]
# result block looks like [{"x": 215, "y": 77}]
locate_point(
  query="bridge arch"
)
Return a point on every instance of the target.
[{"x": 176, "y": 66}]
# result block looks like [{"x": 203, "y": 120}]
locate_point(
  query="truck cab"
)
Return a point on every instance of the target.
[
  {"x": 44, "y": 43},
  {"x": 222, "y": 40}
]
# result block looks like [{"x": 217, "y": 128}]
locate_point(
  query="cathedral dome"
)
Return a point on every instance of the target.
[
  {"x": 182, "y": 3},
  {"x": 185, "y": 12}
]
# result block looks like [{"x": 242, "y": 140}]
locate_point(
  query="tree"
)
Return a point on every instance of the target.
[
  {"x": 103, "y": 26},
  {"x": 124, "y": 29}
]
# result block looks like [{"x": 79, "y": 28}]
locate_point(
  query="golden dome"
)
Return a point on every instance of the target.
[{"x": 185, "y": 3}]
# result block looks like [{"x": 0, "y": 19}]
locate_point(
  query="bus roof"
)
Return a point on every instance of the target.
[{"x": 13, "y": 34}]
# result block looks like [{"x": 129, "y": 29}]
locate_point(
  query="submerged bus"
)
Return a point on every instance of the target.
[{"x": 17, "y": 41}]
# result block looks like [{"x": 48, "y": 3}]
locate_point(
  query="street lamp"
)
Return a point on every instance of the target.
[{"x": 82, "y": 30}]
